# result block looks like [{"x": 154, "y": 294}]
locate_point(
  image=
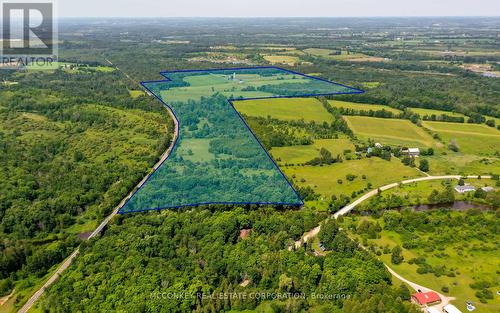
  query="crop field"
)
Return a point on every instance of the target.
[
  {"x": 282, "y": 59},
  {"x": 475, "y": 139},
  {"x": 324, "y": 179},
  {"x": 362, "y": 106},
  {"x": 390, "y": 131},
  {"x": 429, "y": 112},
  {"x": 309, "y": 109},
  {"x": 294, "y": 155}
]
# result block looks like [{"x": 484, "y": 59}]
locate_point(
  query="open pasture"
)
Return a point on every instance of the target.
[
  {"x": 308, "y": 109},
  {"x": 390, "y": 131}
]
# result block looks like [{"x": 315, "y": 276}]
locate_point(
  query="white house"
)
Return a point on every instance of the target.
[
  {"x": 450, "y": 308},
  {"x": 414, "y": 152},
  {"x": 464, "y": 188},
  {"x": 488, "y": 188}
]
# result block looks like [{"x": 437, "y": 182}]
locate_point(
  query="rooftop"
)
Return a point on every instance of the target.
[{"x": 424, "y": 298}]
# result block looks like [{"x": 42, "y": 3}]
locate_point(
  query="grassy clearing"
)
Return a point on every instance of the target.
[
  {"x": 390, "y": 131},
  {"x": 474, "y": 139},
  {"x": 309, "y": 109},
  {"x": 363, "y": 106},
  {"x": 196, "y": 150},
  {"x": 136, "y": 93},
  {"x": 470, "y": 262},
  {"x": 324, "y": 179},
  {"x": 423, "y": 112},
  {"x": 371, "y": 85},
  {"x": 294, "y": 155}
]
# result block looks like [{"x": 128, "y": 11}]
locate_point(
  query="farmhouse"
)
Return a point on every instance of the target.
[
  {"x": 378, "y": 145},
  {"x": 465, "y": 188},
  {"x": 450, "y": 308},
  {"x": 487, "y": 188},
  {"x": 413, "y": 152},
  {"x": 425, "y": 298}
]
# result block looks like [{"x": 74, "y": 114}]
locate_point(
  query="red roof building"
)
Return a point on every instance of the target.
[{"x": 426, "y": 298}]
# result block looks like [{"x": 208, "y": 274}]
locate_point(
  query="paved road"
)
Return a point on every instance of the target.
[{"x": 27, "y": 306}]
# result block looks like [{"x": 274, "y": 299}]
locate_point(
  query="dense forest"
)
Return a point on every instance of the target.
[
  {"x": 203, "y": 254},
  {"x": 72, "y": 145}
]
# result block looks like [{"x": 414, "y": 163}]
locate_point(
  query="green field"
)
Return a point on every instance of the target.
[
  {"x": 390, "y": 131},
  {"x": 300, "y": 154},
  {"x": 362, "y": 106},
  {"x": 474, "y": 139},
  {"x": 462, "y": 164},
  {"x": 309, "y": 109},
  {"x": 429, "y": 112},
  {"x": 323, "y": 179}
]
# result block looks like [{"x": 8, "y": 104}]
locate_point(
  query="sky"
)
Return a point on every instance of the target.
[{"x": 276, "y": 8}]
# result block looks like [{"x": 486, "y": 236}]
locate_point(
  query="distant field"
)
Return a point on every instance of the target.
[
  {"x": 390, "y": 131},
  {"x": 323, "y": 179},
  {"x": 476, "y": 139},
  {"x": 362, "y": 106},
  {"x": 457, "y": 163},
  {"x": 282, "y": 59},
  {"x": 301, "y": 154},
  {"x": 429, "y": 112},
  {"x": 309, "y": 109},
  {"x": 344, "y": 56}
]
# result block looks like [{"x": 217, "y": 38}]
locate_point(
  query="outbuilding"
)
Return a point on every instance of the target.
[
  {"x": 426, "y": 298},
  {"x": 465, "y": 188},
  {"x": 450, "y": 308}
]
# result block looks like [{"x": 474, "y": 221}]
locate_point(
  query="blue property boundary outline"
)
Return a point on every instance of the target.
[{"x": 230, "y": 102}]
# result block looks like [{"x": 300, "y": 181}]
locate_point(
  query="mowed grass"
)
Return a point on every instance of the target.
[
  {"x": 294, "y": 155},
  {"x": 324, "y": 179},
  {"x": 362, "y": 106},
  {"x": 309, "y": 109},
  {"x": 423, "y": 112},
  {"x": 390, "y": 131},
  {"x": 474, "y": 139}
]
